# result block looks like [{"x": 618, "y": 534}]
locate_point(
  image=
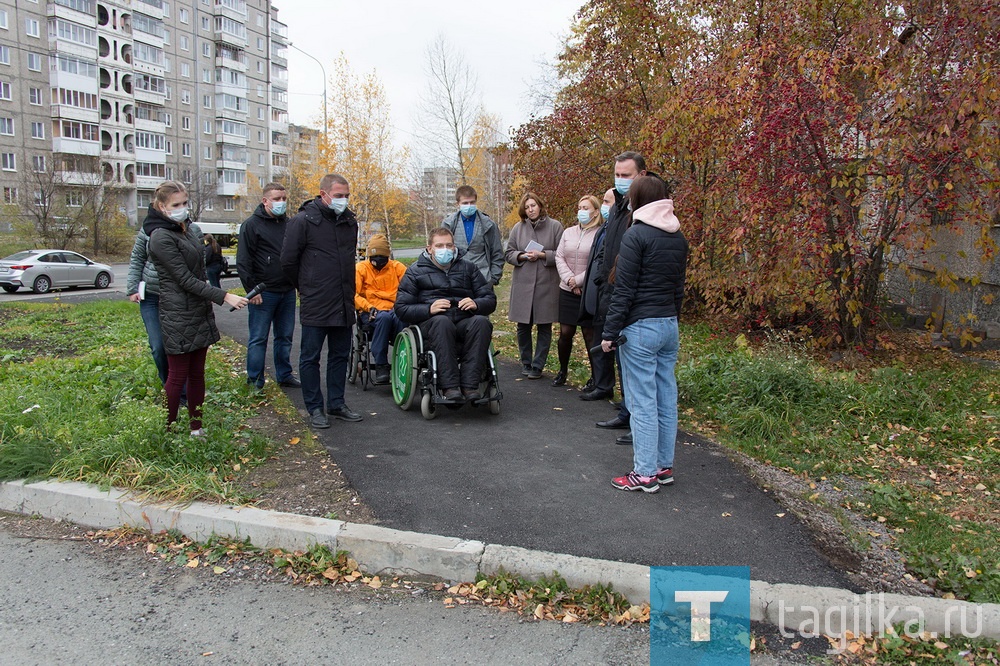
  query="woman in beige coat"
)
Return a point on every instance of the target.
[{"x": 534, "y": 289}]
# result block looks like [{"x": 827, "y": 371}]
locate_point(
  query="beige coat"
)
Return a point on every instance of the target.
[{"x": 534, "y": 289}]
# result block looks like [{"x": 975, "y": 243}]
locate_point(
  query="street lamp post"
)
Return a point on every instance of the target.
[{"x": 326, "y": 130}]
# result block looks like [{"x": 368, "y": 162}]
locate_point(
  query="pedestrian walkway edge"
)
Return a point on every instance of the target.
[{"x": 797, "y": 608}]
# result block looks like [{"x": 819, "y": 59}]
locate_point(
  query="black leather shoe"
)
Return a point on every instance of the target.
[
  {"x": 382, "y": 374},
  {"x": 617, "y": 423},
  {"x": 453, "y": 394},
  {"x": 471, "y": 394},
  {"x": 317, "y": 419},
  {"x": 291, "y": 382},
  {"x": 596, "y": 394},
  {"x": 560, "y": 379},
  {"x": 625, "y": 440},
  {"x": 344, "y": 413}
]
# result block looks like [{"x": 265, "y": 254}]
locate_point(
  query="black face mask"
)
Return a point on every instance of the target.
[{"x": 379, "y": 262}]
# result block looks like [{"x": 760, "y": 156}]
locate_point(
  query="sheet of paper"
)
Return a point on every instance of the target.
[
  {"x": 534, "y": 246},
  {"x": 142, "y": 290}
]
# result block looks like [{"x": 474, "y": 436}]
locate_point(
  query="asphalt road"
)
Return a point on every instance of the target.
[{"x": 538, "y": 476}]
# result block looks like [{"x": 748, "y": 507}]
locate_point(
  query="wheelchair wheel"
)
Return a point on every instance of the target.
[
  {"x": 495, "y": 403},
  {"x": 354, "y": 362},
  {"x": 427, "y": 407},
  {"x": 404, "y": 371}
]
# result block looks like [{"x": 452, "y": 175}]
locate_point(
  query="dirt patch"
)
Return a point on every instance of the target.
[
  {"x": 300, "y": 476},
  {"x": 861, "y": 548}
]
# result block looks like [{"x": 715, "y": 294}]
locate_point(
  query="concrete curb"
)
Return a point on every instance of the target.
[{"x": 798, "y": 608}]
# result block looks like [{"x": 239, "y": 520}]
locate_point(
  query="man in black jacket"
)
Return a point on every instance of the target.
[
  {"x": 258, "y": 262},
  {"x": 318, "y": 259},
  {"x": 450, "y": 300},
  {"x": 628, "y": 166}
]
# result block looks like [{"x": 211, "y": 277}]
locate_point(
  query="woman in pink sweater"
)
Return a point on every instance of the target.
[{"x": 571, "y": 262}]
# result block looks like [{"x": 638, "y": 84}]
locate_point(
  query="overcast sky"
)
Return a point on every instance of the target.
[{"x": 503, "y": 42}]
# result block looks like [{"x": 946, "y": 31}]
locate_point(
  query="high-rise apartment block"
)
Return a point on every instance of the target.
[{"x": 123, "y": 94}]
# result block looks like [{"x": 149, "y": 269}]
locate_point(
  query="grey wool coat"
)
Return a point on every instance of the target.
[{"x": 534, "y": 289}]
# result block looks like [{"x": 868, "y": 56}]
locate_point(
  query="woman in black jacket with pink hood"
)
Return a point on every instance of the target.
[
  {"x": 648, "y": 279},
  {"x": 186, "y": 315}
]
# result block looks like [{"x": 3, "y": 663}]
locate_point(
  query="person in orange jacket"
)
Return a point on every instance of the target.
[{"x": 377, "y": 279}]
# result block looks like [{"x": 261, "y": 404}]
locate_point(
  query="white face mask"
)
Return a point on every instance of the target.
[
  {"x": 338, "y": 205},
  {"x": 178, "y": 214}
]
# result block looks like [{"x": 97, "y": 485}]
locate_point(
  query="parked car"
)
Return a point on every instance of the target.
[{"x": 43, "y": 270}]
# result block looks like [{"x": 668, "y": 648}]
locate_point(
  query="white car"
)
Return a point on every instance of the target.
[{"x": 44, "y": 270}]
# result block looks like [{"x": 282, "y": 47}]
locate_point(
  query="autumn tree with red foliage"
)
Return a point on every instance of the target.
[{"x": 806, "y": 141}]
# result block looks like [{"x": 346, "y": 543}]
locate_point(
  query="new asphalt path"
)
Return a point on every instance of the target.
[{"x": 539, "y": 475}]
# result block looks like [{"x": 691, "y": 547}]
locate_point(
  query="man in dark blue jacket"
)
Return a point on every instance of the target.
[
  {"x": 450, "y": 300},
  {"x": 318, "y": 259},
  {"x": 258, "y": 261}
]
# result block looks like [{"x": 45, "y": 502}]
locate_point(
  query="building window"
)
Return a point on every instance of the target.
[
  {"x": 208, "y": 152},
  {"x": 185, "y": 43},
  {"x": 170, "y": 149},
  {"x": 74, "y": 198},
  {"x": 7, "y": 126},
  {"x": 260, "y": 136},
  {"x": 260, "y": 113},
  {"x": 72, "y": 32},
  {"x": 77, "y": 130},
  {"x": 260, "y": 20},
  {"x": 186, "y": 149},
  {"x": 35, "y": 62},
  {"x": 38, "y": 163},
  {"x": 9, "y": 161},
  {"x": 183, "y": 15},
  {"x": 10, "y": 195},
  {"x": 35, "y": 96},
  {"x": 150, "y": 170},
  {"x": 166, "y": 10},
  {"x": 260, "y": 66},
  {"x": 206, "y": 49},
  {"x": 4, "y": 90},
  {"x": 207, "y": 127},
  {"x": 186, "y": 122},
  {"x": 209, "y": 205},
  {"x": 168, "y": 119},
  {"x": 185, "y": 97},
  {"x": 31, "y": 27},
  {"x": 186, "y": 176},
  {"x": 185, "y": 69},
  {"x": 150, "y": 140},
  {"x": 4, "y": 55},
  {"x": 230, "y": 204},
  {"x": 206, "y": 75},
  {"x": 148, "y": 54},
  {"x": 260, "y": 90},
  {"x": 170, "y": 173},
  {"x": 81, "y": 100},
  {"x": 166, "y": 37},
  {"x": 260, "y": 43},
  {"x": 3, "y": 19},
  {"x": 143, "y": 199},
  {"x": 205, "y": 25},
  {"x": 206, "y": 101},
  {"x": 260, "y": 159},
  {"x": 167, "y": 63},
  {"x": 37, "y": 130}
]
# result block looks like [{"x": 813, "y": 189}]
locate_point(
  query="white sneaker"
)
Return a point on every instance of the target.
[{"x": 198, "y": 433}]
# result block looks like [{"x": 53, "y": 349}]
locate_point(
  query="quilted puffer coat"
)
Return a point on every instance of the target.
[{"x": 186, "y": 315}]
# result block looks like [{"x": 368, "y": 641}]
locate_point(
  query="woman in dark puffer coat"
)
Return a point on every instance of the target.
[{"x": 186, "y": 316}]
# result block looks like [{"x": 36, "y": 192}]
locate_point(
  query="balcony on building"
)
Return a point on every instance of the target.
[
  {"x": 148, "y": 30},
  {"x": 83, "y": 12},
  {"x": 230, "y": 189},
  {"x": 231, "y": 58},
  {"x": 279, "y": 99},
  {"x": 76, "y": 109},
  {"x": 279, "y": 54},
  {"x": 148, "y": 58},
  {"x": 71, "y": 38},
  {"x": 230, "y": 31},
  {"x": 76, "y": 169},
  {"x": 150, "y": 89},
  {"x": 234, "y": 9},
  {"x": 279, "y": 31},
  {"x": 150, "y": 118},
  {"x": 232, "y": 157},
  {"x": 76, "y": 146},
  {"x": 152, "y": 8},
  {"x": 279, "y": 122}
]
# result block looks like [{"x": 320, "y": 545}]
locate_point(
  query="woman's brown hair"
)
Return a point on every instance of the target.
[{"x": 531, "y": 195}]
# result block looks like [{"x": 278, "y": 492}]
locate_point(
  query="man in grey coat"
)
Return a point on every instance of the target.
[{"x": 476, "y": 236}]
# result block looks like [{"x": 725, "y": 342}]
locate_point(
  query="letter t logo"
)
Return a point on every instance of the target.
[{"x": 701, "y": 610}]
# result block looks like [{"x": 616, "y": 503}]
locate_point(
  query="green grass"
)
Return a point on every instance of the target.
[{"x": 80, "y": 400}]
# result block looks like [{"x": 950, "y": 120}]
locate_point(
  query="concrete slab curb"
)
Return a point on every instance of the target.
[{"x": 797, "y": 608}]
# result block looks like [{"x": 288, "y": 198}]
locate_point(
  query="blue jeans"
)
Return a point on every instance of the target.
[
  {"x": 277, "y": 311},
  {"x": 149, "y": 310},
  {"x": 387, "y": 326},
  {"x": 648, "y": 360},
  {"x": 337, "y": 355}
]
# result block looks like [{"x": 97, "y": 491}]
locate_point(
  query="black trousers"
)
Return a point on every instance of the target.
[
  {"x": 602, "y": 364},
  {"x": 466, "y": 342}
]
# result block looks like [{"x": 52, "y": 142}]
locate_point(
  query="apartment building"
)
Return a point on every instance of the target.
[{"x": 120, "y": 95}]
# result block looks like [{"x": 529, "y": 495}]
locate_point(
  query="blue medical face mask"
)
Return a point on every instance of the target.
[
  {"x": 623, "y": 185},
  {"x": 468, "y": 210},
  {"x": 605, "y": 211},
  {"x": 582, "y": 216},
  {"x": 338, "y": 206},
  {"x": 444, "y": 256},
  {"x": 279, "y": 207}
]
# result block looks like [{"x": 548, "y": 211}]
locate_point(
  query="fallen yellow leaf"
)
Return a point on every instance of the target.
[
  {"x": 218, "y": 570},
  {"x": 294, "y": 440},
  {"x": 375, "y": 583},
  {"x": 192, "y": 563}
]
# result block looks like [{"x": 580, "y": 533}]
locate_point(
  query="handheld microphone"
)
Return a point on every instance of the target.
[
  {"x": 614, "y": 345},
  {"x": 253, "y": 292}
]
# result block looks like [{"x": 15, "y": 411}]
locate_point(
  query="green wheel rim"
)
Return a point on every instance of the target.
[{"x": 402, "y": 368}]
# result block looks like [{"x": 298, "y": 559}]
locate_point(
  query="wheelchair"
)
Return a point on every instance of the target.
[
  {"x": 414, "y": 377},
  {"x": 361, "y": 365}
]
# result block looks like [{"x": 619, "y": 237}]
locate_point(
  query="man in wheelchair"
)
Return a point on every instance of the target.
[
  {"x": 450, "y": 300},
  {"x": 376, "y": 282}
]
